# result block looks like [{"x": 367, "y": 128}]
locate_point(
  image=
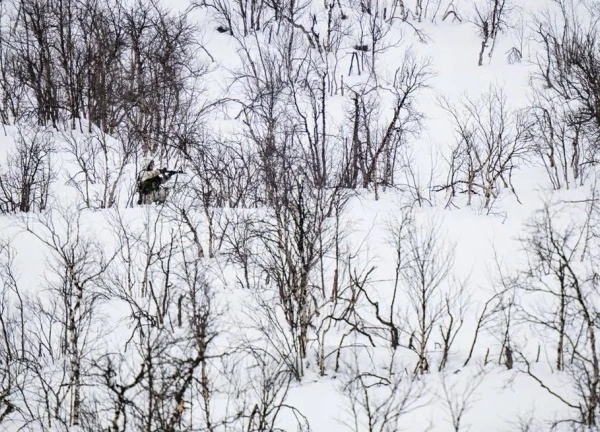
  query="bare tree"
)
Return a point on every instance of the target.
[
  {"x": 490, "y": 19},
  {"x": 423, "y": 296},
  {"x": 224, "y": 173},
  {"x": 101, "y": 163},
  {"x": 485, "y": 320},
  {"x": 374, "y": 36},
  {"x": 293, "y": 242},
  {"x": 264, "y": 89},
  {"x": 79, "y": 263},
  {"x": 133, "y": 71},
  {"x": 172, "y": 357},
  {"x": 492, "y": 142},
  {"x": 426, "y": 275},
  {"x": 388, "y": 314},
  {"x": 13, "y": 352},
  {"x": 546, "y": 246},
  {"x": 458, "y": 396},
  {"x": 25, "y": 181},
  {"x": 374, "y": 151},
  {"x": 567, "y": 68},
  {"x": 525, "y": 423},
  {"x": 241, "y": 17},
  {"x": 34, "y": 62},
  {"x": 561, "y": 275},
  {"x": 561, "y": 143},
  {"x": 378, "y": 401}
]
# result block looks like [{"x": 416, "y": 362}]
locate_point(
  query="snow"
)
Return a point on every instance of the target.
[{"x": 477, "y": 241}]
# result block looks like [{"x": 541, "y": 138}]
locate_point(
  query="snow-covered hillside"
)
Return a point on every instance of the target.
[{"x": 386, "y": 220}]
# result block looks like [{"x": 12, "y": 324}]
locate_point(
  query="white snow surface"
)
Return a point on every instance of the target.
[{"x": 479, "y": 242}]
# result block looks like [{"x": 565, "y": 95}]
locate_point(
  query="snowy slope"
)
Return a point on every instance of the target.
[{"x": 478, "y": 244}]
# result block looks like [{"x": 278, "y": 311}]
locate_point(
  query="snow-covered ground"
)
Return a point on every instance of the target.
[{"x": 121, "y": 253}]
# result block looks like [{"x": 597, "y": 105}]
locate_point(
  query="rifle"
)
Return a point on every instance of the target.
[
  {"x": 154, "y": 183},
  {"x": 170, "y": 173}
]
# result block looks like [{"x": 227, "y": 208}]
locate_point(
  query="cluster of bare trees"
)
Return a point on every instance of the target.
[
  {"x": 559, "y": 129},
  {"x": 490, "y": 19},
  {"x": 135, "y": 73},
  {"x": 566, "y": 109},
  {"x": 558, "y": 297},
  {"x": 27, "y": 174},
  {"x": 129, "y": 333},
  {"x": 122, "y": 67},
  {"x": 101, "y": 83},
  {"x": 114, "y": 81},
  {"x": 492, "y": 141},
  {"x": 290, "y": 73},
  {"x": 543, "y": 312}
]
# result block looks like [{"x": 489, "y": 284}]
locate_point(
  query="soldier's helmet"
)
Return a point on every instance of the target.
[{"x": 148, "y": 164}]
